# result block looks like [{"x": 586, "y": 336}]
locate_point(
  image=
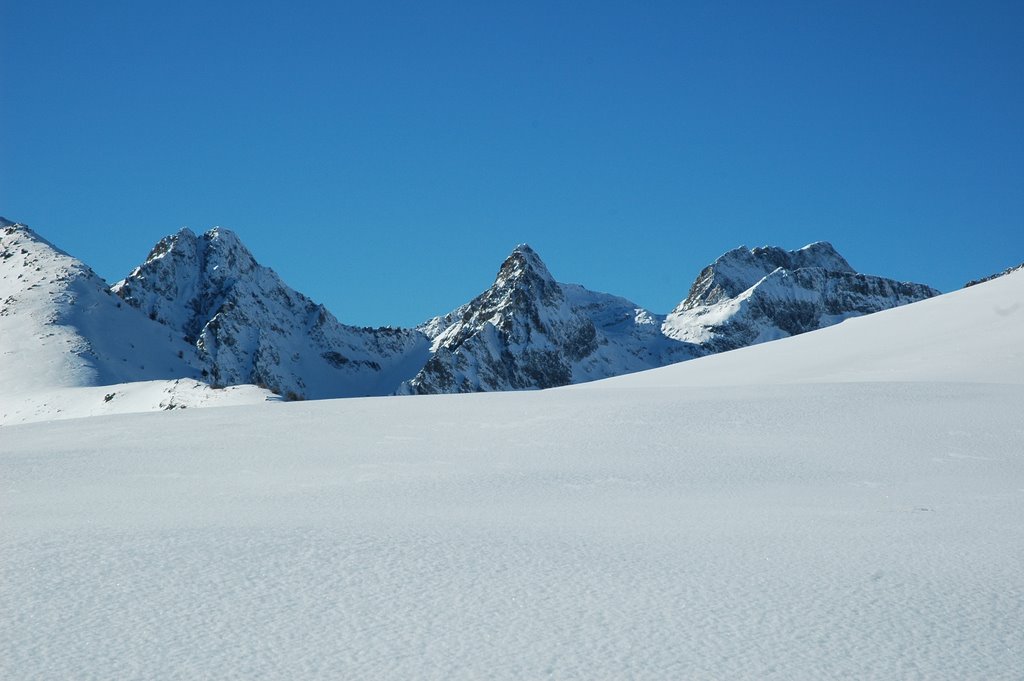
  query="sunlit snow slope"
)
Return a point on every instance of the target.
[
  {"x": 963, "y": 336},
  {"x": 62, "y": 327},
  {"x": 67, "y": 344},
  {"x": 851, "y": 506}
]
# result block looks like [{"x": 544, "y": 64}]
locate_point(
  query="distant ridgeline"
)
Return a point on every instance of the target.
[
  {"x": 1008, "y": 270},
  {"x": 202, "y": 308}
]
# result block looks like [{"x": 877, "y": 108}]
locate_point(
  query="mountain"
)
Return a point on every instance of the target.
[
  {"x": 62, "y": 327},
  {"x": 972, "y": 335},
  {"x": 751, "y": 296},
  {"x": 68, "y": 347},
  {"x": 248, "y": 326},
  {"x": 528, "y": 331},
  {"x": 202, "y": 308}
]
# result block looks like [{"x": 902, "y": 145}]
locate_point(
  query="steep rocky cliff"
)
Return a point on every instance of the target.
[{"x": 248, "y": 326}]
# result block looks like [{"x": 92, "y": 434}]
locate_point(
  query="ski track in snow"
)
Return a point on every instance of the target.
[{"x": 808, "y": 531}]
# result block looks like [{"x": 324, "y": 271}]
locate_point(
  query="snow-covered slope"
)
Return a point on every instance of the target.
[
  {"x": 62, "y": 334},
  {"x": 528, "y": 331},
  {"x": 62, "y": 327},
  {"x": 974, "y": 334},
  {"x": 785, "y": 527},
  {"x": 249, "y": 327},
  {"x": 57, "y": 404},
  {"x": 752, "y": 296},
  {"x": 1008, "y": 270}
]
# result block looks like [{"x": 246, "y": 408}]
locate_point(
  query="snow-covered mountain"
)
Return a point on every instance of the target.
[
  {"x": 201, "y": 308},
  {"x": 61, "y": 326},
  {"x": 528, "y": 331},
  {"x": 752, "y": 296},
  {"x": 248, "y": 326},
  {"x": 65, "y": 339}
]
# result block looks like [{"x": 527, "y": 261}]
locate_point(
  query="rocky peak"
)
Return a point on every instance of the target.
[
  {"x": 197, "y": 272},
  {"x": 752, "y": 296},
  {"x": 523, "y": 263},
  {"x": 523, "y": 300},
  {"x": 818, "y": 254},
  {"x": 248, "y": 326},
  {"x": 182, "y": 243},
  {"x": 224, "y": 249},
  {"x": 737, "y": 270},
  {"x": 523, "y": 279},
  {"x": 520, "y": 333},
  {"x": 218, "y": 246}
]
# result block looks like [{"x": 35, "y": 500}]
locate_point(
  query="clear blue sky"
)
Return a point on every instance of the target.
[{"x": 384, "y": 157}]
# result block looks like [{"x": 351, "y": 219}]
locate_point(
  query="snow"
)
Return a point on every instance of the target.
[
  {"x": 51, "y": 404},
  {"x": 202, "y": 308},
  {"x": 958, "y": 337},
  {"x": 66, "y": 343},
  {"x": 750, "y": 297},
  {"x": 248, "y": 326},
  {"x": 845, "y": 503}
]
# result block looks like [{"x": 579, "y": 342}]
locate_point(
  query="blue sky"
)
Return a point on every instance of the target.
[{"x": 384, "y": 157}]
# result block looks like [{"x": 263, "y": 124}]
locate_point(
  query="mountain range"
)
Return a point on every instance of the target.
[{"x": 201, "y": 310}]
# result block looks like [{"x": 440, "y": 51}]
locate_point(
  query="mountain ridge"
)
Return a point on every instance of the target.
[
  {"x": 231, "y": 320},
  {"x": 248, "y": 326}
]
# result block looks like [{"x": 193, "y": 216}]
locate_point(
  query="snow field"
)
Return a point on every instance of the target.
[{"x": 809, "y": 531}]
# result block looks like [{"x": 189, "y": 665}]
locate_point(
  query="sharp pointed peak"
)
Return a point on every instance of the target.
[{"x": 521, "y": 262}]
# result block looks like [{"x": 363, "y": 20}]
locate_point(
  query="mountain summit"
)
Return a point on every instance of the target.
[
  {"x": 739, "y": 269},
  {"x": 520, "y": 333},
  {"x": 752, "y": 296},
  {"x": 248, "y": 326}
]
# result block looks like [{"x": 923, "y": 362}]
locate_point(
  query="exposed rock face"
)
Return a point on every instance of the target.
[
  {"x": 752, "y": 296},
  {"x": 739, "y": 269},
  {"x": 249, "y": 327},
  {"x": 528, "y": 331}
]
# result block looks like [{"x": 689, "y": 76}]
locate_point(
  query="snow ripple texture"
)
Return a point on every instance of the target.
[{"x": 867, "y": 531}]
